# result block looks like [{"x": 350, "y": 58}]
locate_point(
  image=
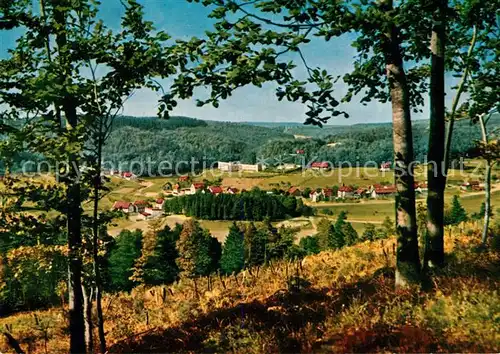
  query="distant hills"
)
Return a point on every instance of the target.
[
  {"x": 184, "y": 138},
  {"x": 141, "y": 139}
]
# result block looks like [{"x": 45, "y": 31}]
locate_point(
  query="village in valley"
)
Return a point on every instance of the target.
[{"x": 316, "y": 188}]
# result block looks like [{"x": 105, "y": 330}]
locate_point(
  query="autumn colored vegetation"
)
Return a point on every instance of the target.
[{"x": 338, "y": 300}]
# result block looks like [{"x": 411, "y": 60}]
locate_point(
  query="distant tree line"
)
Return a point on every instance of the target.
[
  {"x": 254, "y": 205},
  {"x": 149, "y": 141}
]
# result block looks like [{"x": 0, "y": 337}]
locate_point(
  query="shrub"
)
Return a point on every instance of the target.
[{"x": 310, "y": 244}]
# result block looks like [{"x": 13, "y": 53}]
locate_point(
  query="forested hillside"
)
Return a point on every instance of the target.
[
  {"x": 143, "y": 139},
  {"x": 151, "y": 140}
]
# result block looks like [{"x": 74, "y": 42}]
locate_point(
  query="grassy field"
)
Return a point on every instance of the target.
[
  {"x": 316, "y": 179},
  {"x": 369, "y": 211}
]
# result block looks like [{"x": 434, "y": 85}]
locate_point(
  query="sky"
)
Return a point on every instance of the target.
[{"x": 183, "y": 20}]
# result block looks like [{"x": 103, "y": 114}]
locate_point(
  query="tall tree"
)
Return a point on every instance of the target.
[
  {"x": 54, "y": 100},
  {"x": 434, "y": 245},
  {"x": 199, "y": 252},
  {"x": 457, "y": 213},
  {"x": 490, "y": 152},
  {"x": 251, "y": 45},
  {"x": 233, "y": 253}
]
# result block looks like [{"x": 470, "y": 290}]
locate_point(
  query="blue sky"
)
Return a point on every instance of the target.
[{"x": 183, "y": 20}]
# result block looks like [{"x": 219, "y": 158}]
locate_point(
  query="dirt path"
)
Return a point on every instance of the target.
[
  {"x": 494, "y": 188},
  {"x": 145, "y": 185},
  {"x": 356, "y": 221},
  {"x": 330, "y": 204}
]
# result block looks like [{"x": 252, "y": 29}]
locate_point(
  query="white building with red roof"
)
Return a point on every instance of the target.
[
  {"x": 345, "y": 192},
  {"x": 320, "y": 165},
  {"x": 126, "y": 207},
  {"x": 197, "y": 187},
  {"x": 384, "y": 191}
]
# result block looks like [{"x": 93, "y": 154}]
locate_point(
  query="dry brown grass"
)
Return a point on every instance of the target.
[{"x": 341, "y": 301}]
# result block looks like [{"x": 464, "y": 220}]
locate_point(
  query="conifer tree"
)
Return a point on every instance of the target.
[
  {"x": 370, "y": 233},
  {"x": 350, "y": 234},
  {"x": 122, "y": 259},
  {"x": 310, "y": 244},
  {"x": 338, "y": 238},
  {"x": 457, "y": 213},
  {"x": 233, "y": 253},
  {"x": 325, "y": 230},
  {"x": 199, "y": 252},
  {"x": 388, "y": 226},
  {"x": 255, "y": 246}
]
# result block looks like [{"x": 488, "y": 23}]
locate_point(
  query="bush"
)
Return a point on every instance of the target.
[{"x": 310, "y": 244}]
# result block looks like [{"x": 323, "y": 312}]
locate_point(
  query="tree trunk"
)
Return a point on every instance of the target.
[
  {"x": 95, "y": 247},
  {"x": 87, "y": 318},
  {"x": 454, "y": 105},
  {"x": 407, "y": 258},
  {"x": 76, "y": 324},
  {"x": 434, "y": 237},
  {"x": 73, "y": 212},
  {"x": 487, "y": 184},
  {"x": 487, "y": 202}
]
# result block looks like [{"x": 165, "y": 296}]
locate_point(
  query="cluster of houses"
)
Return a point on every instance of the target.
[
  {"x": 196, "y": 187},
  {"x": 348, "y": 192},
  {"x": 144, "y": 210},
  {"x": 122, "y": 174},
  {"x": 472, "y": 186}
]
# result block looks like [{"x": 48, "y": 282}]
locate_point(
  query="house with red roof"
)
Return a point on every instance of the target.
[
  {"x": 128, "y": 176},
  {"x": 385, "y": 191},
  {"x": 144, "y": 216},
  {"x": 385, "y": 166},
  {"x": 294, "y": 191},
  {"x": 320, "y": 165},
  {"x": 327, "y": 192},
  {"x": 316, "y": 196},
  {"x": 361, "y": 192},
  {"x": 197, "y": 187},
  {"x": 215, "y": 190},
  {"x": 159, "y": 203},
  {"x": 231, "y": 190},
  {"x": 421, "y": 187},
  {"x": 345, "y": 192},
  {"x": 141, "y": 205},
  {"x": 183, "y": 178},
  {"x": 299, "y": 152},
  {"x": 471, "y": 185},
  {"x": 126, "y": 207}
]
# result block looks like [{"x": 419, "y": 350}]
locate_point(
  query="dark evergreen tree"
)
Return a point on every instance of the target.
[
  {"x": 255, "y": 246},
  {"x": 337, "y": 238},
  {"x": 325, "y": 230},
  {"x": 370, "y": 233},
  {"x": 122, "y": 259},
  {"x": 199, "y": 252},
  {"x": 350, "y": 234},
  {"x": 457, "y": 213},
  {"x": 233, "y": 253}
]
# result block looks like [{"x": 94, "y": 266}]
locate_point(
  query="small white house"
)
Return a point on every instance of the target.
[{"x": 316, "y": 196}]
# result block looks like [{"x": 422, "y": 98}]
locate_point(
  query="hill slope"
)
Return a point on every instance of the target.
[{"x": 336, "y": 301}]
